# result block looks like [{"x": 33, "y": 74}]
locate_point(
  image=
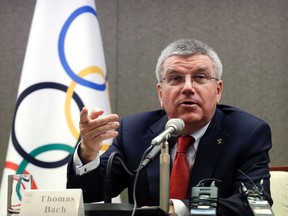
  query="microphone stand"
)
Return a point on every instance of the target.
[{"x": 164, "y": 176}]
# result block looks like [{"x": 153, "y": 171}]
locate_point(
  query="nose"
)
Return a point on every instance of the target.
[
  {"x": 188, "y": 85},
  {"x": 188, "y": 82}
]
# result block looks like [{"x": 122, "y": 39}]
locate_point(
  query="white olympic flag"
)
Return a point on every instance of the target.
[{"x": 64, "y": 69}]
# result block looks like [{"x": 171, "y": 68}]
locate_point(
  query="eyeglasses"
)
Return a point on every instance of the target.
[{"x": 178, "y": 79}]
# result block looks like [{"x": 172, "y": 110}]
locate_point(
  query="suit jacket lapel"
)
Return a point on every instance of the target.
[
  {"x": 153, "y": 169},
  {"x": 210, "y": 149}
]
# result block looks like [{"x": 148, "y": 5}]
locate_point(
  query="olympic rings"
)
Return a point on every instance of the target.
[
  {"x": 18, "y": 147},
  {"x": 70, "y": 93}
]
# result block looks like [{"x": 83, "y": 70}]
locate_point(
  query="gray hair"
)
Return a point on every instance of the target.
[{"x": 188, "y": 47}]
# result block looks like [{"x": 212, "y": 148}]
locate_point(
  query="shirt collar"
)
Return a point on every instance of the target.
[{"x": 198, "y": 135}]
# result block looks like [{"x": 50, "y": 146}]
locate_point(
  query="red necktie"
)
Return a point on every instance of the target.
[{"x": 180, "y": 174}]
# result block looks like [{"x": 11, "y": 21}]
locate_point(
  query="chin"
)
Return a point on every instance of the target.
[{"x": 190, "y": 121}]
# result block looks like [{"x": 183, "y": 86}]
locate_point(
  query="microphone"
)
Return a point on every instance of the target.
[{"x": 173, "y": 128}]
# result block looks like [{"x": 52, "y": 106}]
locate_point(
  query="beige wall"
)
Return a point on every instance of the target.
[{"x": 251, "y": 37}]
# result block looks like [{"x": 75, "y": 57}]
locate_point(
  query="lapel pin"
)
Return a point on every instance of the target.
[{"x": 219, "y": 141}]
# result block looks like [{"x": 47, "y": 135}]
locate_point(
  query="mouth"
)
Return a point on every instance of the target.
[{"x": 187, "y": 103}]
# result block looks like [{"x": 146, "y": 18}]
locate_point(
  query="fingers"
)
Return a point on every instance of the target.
[
  {"x": 96, "y": 112},
  {"x": 94, "y": 124},
  {"x": 98, "y": 130},
  {"x": 84, "y": 117},
  {"x": 94, "y": 129}
]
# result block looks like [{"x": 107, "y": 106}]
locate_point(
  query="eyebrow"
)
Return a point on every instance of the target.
[
  {"x": 198, "y": 70},
  {"x": 171, "y": 70},
  {"x": 203, "y": 69}
]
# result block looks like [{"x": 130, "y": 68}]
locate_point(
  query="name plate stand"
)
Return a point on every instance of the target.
[{"x": 68, "y": 202}]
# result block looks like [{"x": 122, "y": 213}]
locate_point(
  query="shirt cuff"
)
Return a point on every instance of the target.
[
  {"x": 180, "y": 208},
  {"x": 81, "y": 169}
]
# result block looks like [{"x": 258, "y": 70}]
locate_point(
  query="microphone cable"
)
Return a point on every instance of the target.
[
  {"x": 107, "y": 182},
  {"x": 254, "y": 185},
  {"x": 107, "y": 186},
  {"x": 136, "y": 178}
]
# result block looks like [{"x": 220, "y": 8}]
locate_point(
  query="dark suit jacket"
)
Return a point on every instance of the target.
[{"x": 234, "y": 140}]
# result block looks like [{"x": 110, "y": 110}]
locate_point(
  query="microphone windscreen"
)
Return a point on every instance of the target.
[{"x": 177, "y": 123}]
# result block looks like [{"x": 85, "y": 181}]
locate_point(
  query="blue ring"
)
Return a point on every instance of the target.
[{"x": 63, "y": 60}]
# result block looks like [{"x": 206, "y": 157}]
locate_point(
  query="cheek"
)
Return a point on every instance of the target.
[
  {"x": 167, "y": 100},
  {"x": 164, "y": 102},
  {"x": 209, "y": 99}
]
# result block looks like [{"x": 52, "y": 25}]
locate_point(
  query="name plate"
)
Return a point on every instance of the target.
[{"x": 67, "y": 202}]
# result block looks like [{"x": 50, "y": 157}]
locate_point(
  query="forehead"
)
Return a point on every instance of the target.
[{"x": 194, "y": 62}]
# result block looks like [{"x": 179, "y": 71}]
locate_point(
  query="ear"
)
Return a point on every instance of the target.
[
  {"x": 219, "y": 90},
  {"x": 159, "y": 90}
]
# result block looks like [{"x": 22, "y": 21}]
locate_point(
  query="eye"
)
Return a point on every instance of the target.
[
  {"x": 175, "y": 79},
  {"x": 199, "y": 78}
]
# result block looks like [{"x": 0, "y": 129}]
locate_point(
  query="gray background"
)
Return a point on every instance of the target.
[{"x": 250, "y": 37}]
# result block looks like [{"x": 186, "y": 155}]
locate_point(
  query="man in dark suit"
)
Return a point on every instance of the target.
[{"x": 228, "y": 141}]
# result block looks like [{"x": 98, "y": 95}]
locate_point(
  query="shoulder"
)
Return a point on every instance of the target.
[
  {"x": 237, "y": 113},
  {"x": 239, "y": 119}
]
